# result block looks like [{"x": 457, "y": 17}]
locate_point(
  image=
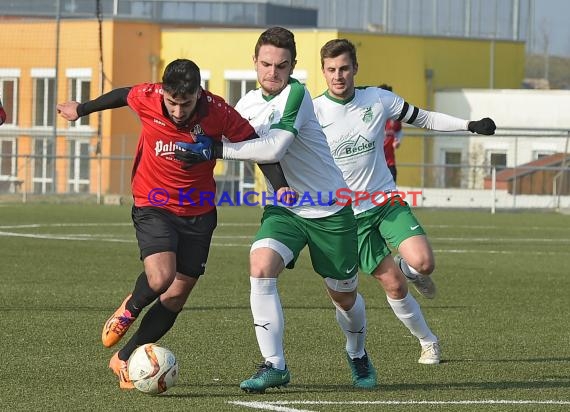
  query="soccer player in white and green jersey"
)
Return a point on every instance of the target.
[
  {"x": 353, "y": 119},
  {"x": 282, "y": 113}
]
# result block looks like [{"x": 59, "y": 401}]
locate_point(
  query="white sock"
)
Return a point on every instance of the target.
[
  {"x": 408, "y": 271},
  {"x": 409, "y": 312},
  {"x": 268, "y": 319},
  {"x": 353, "y": 324}
]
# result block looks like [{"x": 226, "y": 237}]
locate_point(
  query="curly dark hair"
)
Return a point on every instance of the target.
[{"x": 181, "y": 77}]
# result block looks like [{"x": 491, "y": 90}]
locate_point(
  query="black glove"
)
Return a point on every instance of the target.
[
  {"x": 203, "y": 150},
  {"x": 484, "y": 126}
]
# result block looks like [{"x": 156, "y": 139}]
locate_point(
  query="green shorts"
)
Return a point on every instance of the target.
[
  {"x": 332, "y": 240},
  {"x": 388, "y": 224}
]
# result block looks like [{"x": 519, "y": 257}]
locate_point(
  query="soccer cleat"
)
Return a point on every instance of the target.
[
  {"x": 120, "y": 368},
  {"x": 117, "y": 325},
  {"x": 423, "y": 284},
  {"x": 266, "y": 377},
  {"x": 363, "y": 372},
  {"x": 431, "y": 354}
]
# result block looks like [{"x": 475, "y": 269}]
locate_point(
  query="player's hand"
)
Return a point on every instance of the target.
[
  {"x": 68, "y": 110},
  {"x": 484, "y": 126},
  {"x": 204, "y": 149},
  {"x": 287, "y": 196}
]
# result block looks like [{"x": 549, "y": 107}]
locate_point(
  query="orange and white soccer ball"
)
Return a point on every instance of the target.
[{"x": 153, "y": 369}]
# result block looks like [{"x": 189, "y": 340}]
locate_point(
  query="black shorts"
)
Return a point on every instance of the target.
[{"x": 189, "y": 237}]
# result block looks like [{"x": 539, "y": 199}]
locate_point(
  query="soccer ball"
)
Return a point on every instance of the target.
[{"x": 152, "y": 368}]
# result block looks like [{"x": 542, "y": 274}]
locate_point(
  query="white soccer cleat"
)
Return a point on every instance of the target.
[
  {"x": 424, "y": 285},
  {"x": 431, "y": 354}
]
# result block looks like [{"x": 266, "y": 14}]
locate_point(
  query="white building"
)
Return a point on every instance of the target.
[{"x": 531, "y": 124}]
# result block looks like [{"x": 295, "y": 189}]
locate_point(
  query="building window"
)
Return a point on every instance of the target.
[
  {"x": 237, "y": 89},
  {"x": 205, "y": 79},
  {"x": 538, "y": 154},
  {"x": 80, "y": 92},
  {"x": 9, "y": 182},
  {"x": 43, "y": 161},
  {"x": 44, "y": 101},
  {"x": 452, "y": 169},
  {"x": 79, "y": 83},
  {"x": 8, "y": 157},
  {"x": 78, "y": 179},
  {"x": 9, "y": 97},
  {"x": 498, "y": 160},
  {"x": 238, "y": 83}
]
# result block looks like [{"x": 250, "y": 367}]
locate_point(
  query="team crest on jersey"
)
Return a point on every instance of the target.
[
  {"x": 353, "y": 147},
  {"x": 367, "y": 114}
]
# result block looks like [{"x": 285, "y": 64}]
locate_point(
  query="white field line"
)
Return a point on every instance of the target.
[
  {"x": 100, "y": 238},
  {"x": 267, "y": 406},
  {"x": 106, "y": 238},
  {"x": 282, "y": 405}
]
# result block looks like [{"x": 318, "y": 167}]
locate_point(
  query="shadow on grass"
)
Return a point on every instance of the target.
[
  {"x": 227, "y": 390},
  {"x": 203, "y": 308},
  {"x": 531, "y": 360}
]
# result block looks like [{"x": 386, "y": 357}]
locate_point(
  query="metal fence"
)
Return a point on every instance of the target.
[
  {"x": 489, "y": 19},
  {"x": 524, "y": 170}
]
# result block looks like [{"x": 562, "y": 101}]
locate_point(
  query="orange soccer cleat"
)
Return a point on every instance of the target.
[
  {"x": 117, "y": 325},
  {"x": 120, "y": 368}
]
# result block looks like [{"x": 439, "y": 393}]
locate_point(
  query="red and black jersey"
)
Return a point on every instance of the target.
[
  {"x": 391, "y": 131},
  {"x": 157, "y": 177}
]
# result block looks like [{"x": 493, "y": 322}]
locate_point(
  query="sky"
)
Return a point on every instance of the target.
[{"x": 552, "y": 17}]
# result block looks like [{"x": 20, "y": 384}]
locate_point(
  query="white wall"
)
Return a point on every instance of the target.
[
  {"x": 546, "y": 110},
  {"x": 518, "y": 108}
]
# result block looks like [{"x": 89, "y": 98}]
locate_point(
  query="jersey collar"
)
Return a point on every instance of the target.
[{"x": 340, "y": 101}]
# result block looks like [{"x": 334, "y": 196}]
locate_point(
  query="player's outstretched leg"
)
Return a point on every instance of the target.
[
  {"x": 266, "y": 377},
  {"x": 117, "y": 325},
  {"x": 120, "y": 368}
]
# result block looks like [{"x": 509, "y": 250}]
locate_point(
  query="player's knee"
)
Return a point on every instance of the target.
[
  {"x": 422, "y": 263},
  {"x": 160, "y": 281},
  {"x": 425, "y": 266}
]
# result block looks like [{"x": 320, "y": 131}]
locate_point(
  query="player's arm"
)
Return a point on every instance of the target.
[
  {"x": 269, "y": 149},
  {"x": 274, "y": 174},
  {"x": 443, "y": 122},
  {"x": 115, "y": 98}
]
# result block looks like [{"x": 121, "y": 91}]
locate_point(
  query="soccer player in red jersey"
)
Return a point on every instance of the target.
[
  {"x": 2, "y": 114},
  {"x": 392, "y": 139},
  {"x": 174, "y": 212}
]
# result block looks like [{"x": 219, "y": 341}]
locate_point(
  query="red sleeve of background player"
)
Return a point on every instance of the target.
[
  {"x": 397, "y": 126},
  {"x": 2, "y": 115}
]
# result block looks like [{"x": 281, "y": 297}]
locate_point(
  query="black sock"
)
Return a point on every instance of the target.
[
  {"x": 143, "y": 296},
  {"x": 155, "y": 323}
]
